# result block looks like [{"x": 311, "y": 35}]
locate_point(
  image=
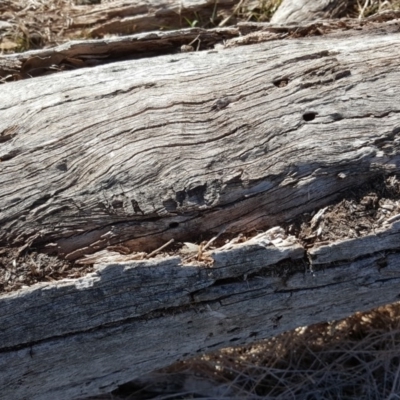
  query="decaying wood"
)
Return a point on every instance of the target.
[
  {"x": 79, "y": 338},
  {"x": 187, "y": 146},
  {"x": 166, "y": 147},
  {"x": 120, "y": 17},
  {"x": 90, "y": 53},
  {"x": 301, "y": 11},
  {"x": 382, "y": 240},
  {"x": 35, "y": 24}
]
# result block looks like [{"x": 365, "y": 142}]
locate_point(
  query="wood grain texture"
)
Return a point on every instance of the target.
[
  {"x": 154, "y": 149},
  {"x": 88, "y": 53},
  {"x": 386, "y": 238},
  {"x": 202, "y": 315},
  {"x": 177, "y": 146},
  {"x": 117, "y": 291},
  {"x": 121, "y": 17}
]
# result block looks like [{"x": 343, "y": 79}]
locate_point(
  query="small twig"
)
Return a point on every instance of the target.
[
  {"x": 393, "y": 219},
  {"x": 153, "y": 253},
  {"x": 214, "y": 12},
  {"x": 234, "y": 12},
  {"x": 214, "y": 238},
  {"x": 198, "y": 42}
]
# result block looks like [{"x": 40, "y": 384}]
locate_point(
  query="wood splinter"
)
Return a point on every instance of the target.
[{"x": 156, "y": 251}]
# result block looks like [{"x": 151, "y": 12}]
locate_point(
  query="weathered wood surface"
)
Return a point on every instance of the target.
[
  {"x": 134, "y": 287},
  {"x": 122, "y": 17},
  {"x": 133, "y": 317},
  {"x": 384, "y": 239},
  {"x": 89, "y": 53},
  {"x": 301, "y": 11},
  {"x": 167, "y": 147},
  {"x": 134, "y": 290},
  {"x": 177, "y": 146}
]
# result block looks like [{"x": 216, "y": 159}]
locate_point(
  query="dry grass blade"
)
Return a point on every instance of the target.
[{"x": 153, "y": 253}]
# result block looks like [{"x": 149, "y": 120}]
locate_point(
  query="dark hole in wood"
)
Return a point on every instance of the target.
[
  {"x": 281, "y": 82},
  {"x": 9, "y": 156},
  {"x": 309, "y": 116},
  {"x": 136, "y": 207},
  {"x": 196, "y": 194},
  {"x": 382, "y": 263},
  {"x": 170, "y": 205},
  {"x": 337, "y": 116},
  {"x": 180, "y": 196},
  {"x": 117, "y": 203},
  {"x": 342, "y": 74},
  {"x": 5, "y": 138},
  {"x": 62, "y": 166},
  {"x": 40, "y": 202},
  {"x": 174, "y": 224}
]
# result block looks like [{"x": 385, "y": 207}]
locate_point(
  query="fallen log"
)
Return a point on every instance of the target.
[
  {"x": 121, "y": 17},
  {"x": 104, "y": 165}
]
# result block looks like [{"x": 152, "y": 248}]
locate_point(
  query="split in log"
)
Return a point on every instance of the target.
[{"x": 186, "y": 146}]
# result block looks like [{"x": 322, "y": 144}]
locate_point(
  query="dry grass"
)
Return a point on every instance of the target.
[
  {"x": 356, "y": 358},
  {"x": 366, "y": 8}
]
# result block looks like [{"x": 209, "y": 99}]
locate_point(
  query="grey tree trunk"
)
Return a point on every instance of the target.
[{"x": 183, "y": 146}]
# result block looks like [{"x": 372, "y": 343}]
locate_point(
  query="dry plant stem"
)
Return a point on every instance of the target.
[
  {"x": 234, "y": 12},
  {"x": 212, "y": 240},
  {"x": 363, "y": 8},
  {"x": 153, "y": 253}
]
